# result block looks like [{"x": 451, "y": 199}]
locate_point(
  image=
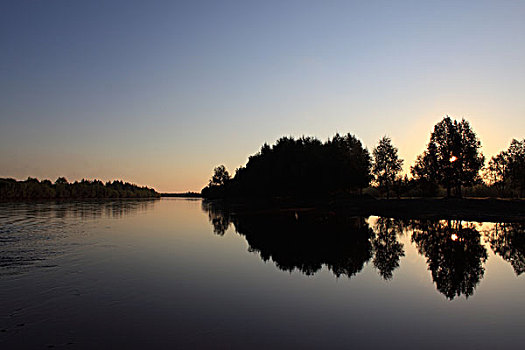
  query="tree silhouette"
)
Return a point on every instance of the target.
[
  {"x": 506, "y": 170},
  {"x": 298, "y": 168},
  {"x": 220, "y": 176},
  {"x": 497, "y": 172},
  {"x": 452, "y": 158},
  {"x": 386, "y": 164},
  {"x": 33, "y": 189},
  {"x": 516, "y": 157}
]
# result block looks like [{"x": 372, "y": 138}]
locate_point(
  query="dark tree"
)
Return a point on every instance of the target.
[
  {"x": 497, "y": 172},
  {"x": 11, "y": 189},
  {"x": 220, "y": 176},
  {"x": 299, "y": 168},
  {"x": 506, "y": 171},
  {"x": 453, "y": 158},
  {"x": 386, "y": 164}
]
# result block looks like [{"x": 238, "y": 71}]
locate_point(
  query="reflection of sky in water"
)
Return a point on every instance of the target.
[{"x": 153, "y": 274}]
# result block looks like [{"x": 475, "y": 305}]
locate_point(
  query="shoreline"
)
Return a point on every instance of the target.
[{"x": 468, "y": 209}]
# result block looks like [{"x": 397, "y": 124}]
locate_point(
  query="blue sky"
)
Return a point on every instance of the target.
[{"x": 160, "y": 92}]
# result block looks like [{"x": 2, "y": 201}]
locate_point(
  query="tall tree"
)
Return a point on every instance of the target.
[
  {"x": 497, "y": 172},
  {"x": 386, "y": 165},
  {"x": 506, "y": 171},
  {"x": 220, "y": 176},
  {"x": 516, "y": 159},
  {"x": 453, "y": 158}
]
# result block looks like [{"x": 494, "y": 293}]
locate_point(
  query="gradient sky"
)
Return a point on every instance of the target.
[{"x": 160, "y": 92}]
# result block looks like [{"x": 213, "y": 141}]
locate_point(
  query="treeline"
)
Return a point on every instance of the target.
[
  {"x": 291, "y": 167},
  {"x": 182, "y": 195},
  {"x": 11, "y": 189},
  {"x": 451, "y": 165}
]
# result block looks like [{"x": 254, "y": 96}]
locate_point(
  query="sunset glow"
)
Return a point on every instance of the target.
[{"x": 86, "y": 92}]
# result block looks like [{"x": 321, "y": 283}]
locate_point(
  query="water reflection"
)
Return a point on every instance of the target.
[
  {"x": 387, "y": 248},
  {"x": 32, "y": 233},
  {"x": 308, "y": 240},
  {"x": 454, "y": 254},
  {"x": 302, "y": 240},
  {"x": 508, "y": 241}
]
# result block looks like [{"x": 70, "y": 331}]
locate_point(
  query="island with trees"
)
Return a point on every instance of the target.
[
  {"x": 342, "y": 173},
  {"x": 33, "y": 189}
]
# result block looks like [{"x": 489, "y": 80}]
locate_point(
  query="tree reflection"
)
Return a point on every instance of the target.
[
  {"x": 308, "y": 240},
  {"x": 454, "y": 255},
  {"x": 302, "y": 240},
  {"x": 508, "y": 241},
  {"x": 219, "y": 218},
  {"x": 387, "y": 249}
]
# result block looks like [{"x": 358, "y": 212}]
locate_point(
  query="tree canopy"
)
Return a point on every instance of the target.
[
  {"x": 386, "y": 164},
  {"x": 11, "y": 189},
  {"x": 452, "y": 158},
  {"x": 299, "y": 167},
  {"x": 506, "y": 170}
]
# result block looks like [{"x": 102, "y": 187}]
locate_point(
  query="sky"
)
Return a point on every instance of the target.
[{"x": 158, "y": 93}]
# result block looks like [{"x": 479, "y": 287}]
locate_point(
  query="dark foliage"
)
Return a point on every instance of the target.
[
  {"x": 298, "y": 168},
  {"x": 506, "y": 171},
  {"x": 387, "y": 166},
  {"x": 183, "y": 195},
  {"x": 11, "y": 189},
  {"x": 452, "y": 158}
]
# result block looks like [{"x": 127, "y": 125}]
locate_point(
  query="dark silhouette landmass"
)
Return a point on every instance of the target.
[
  {"x": 33, "y": 189},
  {"x": 300, "y": 168},
  {"x": 183, "y": 195},
  {"x": 452, "y": 165}
]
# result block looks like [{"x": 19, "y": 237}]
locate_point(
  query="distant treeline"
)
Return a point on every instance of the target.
[
  {"x": 11, "y": 189},
  {"x": 184, "y": 195},
  {"x": 452, "y": 165}
]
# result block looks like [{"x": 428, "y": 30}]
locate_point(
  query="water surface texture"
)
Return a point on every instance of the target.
[{"x": 175, "y": 273}]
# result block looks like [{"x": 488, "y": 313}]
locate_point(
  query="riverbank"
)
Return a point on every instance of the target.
[{"x": 470, "y": 209}]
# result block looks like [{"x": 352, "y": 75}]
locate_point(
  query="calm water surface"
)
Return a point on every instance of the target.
[{"x": 175, "y": 273}]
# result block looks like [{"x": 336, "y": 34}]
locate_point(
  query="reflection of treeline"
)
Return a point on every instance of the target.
[
  {"x": 508, "y": 241},
  {"x": 308, "y": 240},
  {"x": 451, "y": 165},
  {"x": 83, "y": 210},
  {"x": 32, "y": 188},
  {"x": 292, "y": 241},
  {"x": 454, "y": 254}
]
